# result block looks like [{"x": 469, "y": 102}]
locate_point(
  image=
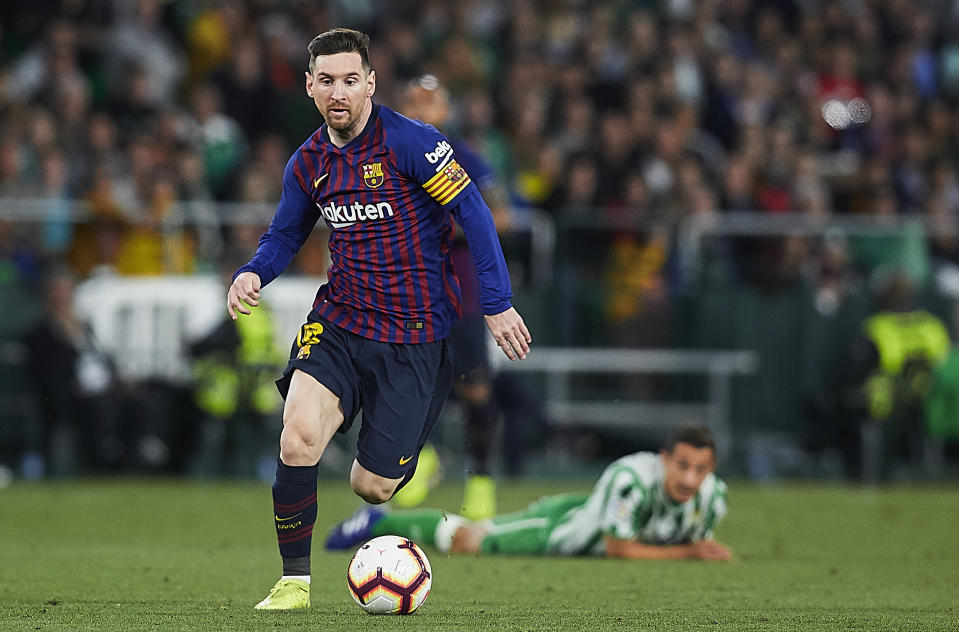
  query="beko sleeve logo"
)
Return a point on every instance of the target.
[{"x": 442, "y": 149}]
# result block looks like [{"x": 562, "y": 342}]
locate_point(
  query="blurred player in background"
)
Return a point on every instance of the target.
[
  {"x": 388, "y": 189},
  {"x": 644, "y": 506},
  {"x": 429, "y": 101}
]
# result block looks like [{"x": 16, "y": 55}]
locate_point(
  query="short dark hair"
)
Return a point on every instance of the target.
[
  {"x": 340, "y": 40},
  {"x": 696, "y": 435}
]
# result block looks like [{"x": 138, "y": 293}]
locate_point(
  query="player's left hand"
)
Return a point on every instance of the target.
[{"x": 510, "y": 333}]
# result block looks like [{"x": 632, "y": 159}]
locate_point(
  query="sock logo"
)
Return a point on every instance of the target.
[{"x": 279, "y": 519}]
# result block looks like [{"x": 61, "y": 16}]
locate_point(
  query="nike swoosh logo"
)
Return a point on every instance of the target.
[
  {"x": 406, "y": 460},
  {"x": 316, "y": 183},
  {"x": 279, "y": 519}
]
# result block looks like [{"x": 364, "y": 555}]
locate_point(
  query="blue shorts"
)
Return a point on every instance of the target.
[{"x": 401, "y": 389}]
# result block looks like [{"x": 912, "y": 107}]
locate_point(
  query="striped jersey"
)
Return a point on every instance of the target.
[
  {"x": 629, "y": 503},
  {"x": 389, "y": 197}
]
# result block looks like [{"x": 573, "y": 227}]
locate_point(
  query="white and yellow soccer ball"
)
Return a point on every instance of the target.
[{"x": 389, "y": 575}]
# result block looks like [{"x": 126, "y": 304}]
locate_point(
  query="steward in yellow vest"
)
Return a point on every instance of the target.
[
  {"x": 236, "y": 367},
  {"x": 234, "y": 370},
  {"x": 910, "y": 346}
]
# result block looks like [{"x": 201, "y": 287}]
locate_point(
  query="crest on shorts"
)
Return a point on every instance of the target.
[
  {"x": 373, "y": 174},
  {"x": 308, "y": 335}
]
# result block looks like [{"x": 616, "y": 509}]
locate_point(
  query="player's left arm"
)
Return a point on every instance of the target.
[
  {"x": 427, "y": 157},
  {"x": 502, "y": 319}
]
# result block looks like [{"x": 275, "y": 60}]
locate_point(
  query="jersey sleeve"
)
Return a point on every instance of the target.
[
  {"x": 626, "y": 499},
  {"x": 295, "y": 217},
  {"x": 427, "y": 158},
  {"x": 476, "y": 220}
]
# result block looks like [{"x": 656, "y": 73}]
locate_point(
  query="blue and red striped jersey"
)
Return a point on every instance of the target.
[{"x": 388, "y": 197}]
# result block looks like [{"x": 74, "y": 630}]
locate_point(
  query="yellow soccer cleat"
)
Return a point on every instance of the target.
[
  {"x": 428, "y": 474},
  {"x": 479, "y": 498},
  {"x": 287, "y": 594}
]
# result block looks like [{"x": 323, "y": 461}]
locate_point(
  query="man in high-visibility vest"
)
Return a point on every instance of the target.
[
  {"x": 234, "y": 372},
  {"x": 893, "y": 367}
]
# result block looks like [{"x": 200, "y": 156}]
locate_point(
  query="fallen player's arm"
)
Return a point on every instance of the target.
[{"x": 633, "y": 550}]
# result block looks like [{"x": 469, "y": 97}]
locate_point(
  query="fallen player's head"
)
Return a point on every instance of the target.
[{"x": 689, "y": 456}]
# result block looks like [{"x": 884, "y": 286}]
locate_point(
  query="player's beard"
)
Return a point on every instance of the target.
[{"x": 341, "y": 124}]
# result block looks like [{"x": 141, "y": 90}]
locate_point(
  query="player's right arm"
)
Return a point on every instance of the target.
[{"x": 295, "y": 217}]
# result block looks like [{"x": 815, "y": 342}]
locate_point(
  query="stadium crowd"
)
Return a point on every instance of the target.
[
  {"x": 624, "y": 113},
  {"x": 619, "y": 119}
]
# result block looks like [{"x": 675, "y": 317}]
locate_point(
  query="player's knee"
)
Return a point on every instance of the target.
[
  {"x": 374, "y": 492},
  {"x": 370, "y": 487},
  {"x": 299, "y": 445}
]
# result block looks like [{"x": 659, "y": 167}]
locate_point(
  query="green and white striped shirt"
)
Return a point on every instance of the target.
[{"x": 629, "y": 502}]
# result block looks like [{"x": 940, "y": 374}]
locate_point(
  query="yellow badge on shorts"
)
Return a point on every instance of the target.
[{"x": 309, "y": 334}]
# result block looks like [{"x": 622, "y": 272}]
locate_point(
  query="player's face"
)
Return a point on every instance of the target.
[
  {"x": 341, "y": 90},
  {"x": 686, "y": 467}
]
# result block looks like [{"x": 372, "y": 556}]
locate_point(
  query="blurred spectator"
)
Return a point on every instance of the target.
[
  {"x": 132, "y": 108},
  {"x": 57, "y": 192},
  {"x": 47, "y": 65},
  {"x": 888, "y": 372},
  {"x": 234, "y": 367},
  {"x": 221, "y": 141},
  {"x": 77, "y": 387},
  {"x": 140, "y": 38},
  {"x": 250, "y": 97}
]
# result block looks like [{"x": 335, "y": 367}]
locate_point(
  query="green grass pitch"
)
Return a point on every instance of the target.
[{"x": 185, "y": 555}]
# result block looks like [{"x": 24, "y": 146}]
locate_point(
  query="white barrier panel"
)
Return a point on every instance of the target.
[{"x": 146, "y": 323}]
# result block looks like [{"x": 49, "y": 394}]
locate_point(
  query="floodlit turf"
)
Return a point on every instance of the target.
[{"x": 161, "y": 555}]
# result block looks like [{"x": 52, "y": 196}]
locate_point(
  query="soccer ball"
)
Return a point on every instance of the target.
[{"x": 389, "y": 575}]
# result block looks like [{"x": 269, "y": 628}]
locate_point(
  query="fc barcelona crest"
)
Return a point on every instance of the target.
[
  {"x": 373, "y": 174},
  {"x": 455, "y": 172}
]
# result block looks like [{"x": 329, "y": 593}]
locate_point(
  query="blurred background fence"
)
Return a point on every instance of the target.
[{"x": 745, "y": 325}]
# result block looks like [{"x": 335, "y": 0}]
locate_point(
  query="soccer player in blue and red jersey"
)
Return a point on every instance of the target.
[{"x": 388, "y": 188}]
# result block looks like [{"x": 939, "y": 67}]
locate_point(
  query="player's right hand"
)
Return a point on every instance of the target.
[
  {"x": 709, "y": 550},
  {"x": 244, "y": 291}
]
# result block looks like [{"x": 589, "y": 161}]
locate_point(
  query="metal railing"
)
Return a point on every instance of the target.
[
  {"x": 719, "y": 366},
  {"x": 207, "y": 216}
]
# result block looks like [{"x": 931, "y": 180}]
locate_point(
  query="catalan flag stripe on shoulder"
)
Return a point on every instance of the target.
[{"x": 445, "y": 185}]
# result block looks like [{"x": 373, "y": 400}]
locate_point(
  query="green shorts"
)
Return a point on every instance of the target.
[{"x": 527, "y": 531}]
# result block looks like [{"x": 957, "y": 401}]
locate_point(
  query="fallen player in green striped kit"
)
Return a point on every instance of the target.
[{"x": 644, "y": 506}]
